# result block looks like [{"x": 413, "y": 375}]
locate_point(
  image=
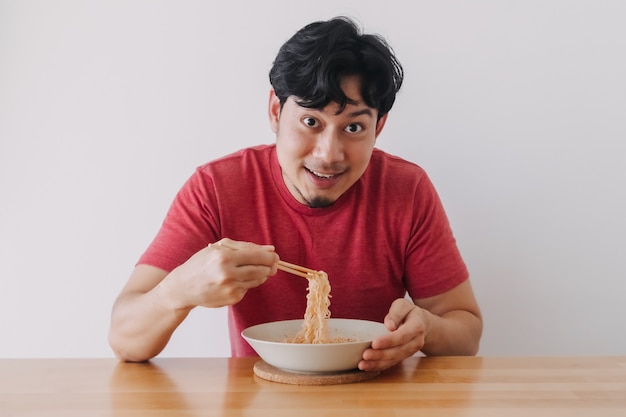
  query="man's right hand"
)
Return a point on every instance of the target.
[{"x": 219, "y": 275}]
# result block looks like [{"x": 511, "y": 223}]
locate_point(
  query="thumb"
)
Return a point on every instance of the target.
[{"x": 398, "y": 311}]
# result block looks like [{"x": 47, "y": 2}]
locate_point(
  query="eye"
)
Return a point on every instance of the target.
[
  {"x": 354, "y": 128},
  {"x": 310, "y": 122}
]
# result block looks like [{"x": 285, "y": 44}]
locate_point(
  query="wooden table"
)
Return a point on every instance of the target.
[{"x": 445, "y": 386}]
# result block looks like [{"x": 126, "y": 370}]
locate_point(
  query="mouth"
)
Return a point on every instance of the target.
[
  {"x": 321, "y": 175},
  {"x": 323, "y": 180}
]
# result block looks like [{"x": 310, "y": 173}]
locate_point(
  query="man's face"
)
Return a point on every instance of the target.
[{"x": 322, "y": 153}]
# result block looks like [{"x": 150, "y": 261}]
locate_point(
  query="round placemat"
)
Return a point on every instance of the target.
[{"x": 269, "y": 372}]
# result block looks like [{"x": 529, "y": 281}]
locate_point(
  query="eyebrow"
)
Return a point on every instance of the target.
[
  {"x": 356, "y": 113},
  {"x": 366, "y": 110}
]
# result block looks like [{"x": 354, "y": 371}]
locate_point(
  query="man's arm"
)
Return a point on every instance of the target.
[
  {"x": 154, "y": 303},
  {"x": 142, "y": 321},
  {"x": 446, "y": 324},
  {"x": 455, "y": 322}
]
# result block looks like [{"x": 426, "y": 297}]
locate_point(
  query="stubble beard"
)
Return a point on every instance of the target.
[{"x": 315, "y": 201}]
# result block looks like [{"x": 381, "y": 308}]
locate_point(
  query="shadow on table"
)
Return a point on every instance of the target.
[
  {"x": 144, "y": 387},
  {"x": 181, "y": 387}
]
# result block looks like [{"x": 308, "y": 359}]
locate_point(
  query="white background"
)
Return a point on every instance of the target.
[{"x": 517, "y": 109}]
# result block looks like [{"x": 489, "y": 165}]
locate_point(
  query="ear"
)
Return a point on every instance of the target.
[
  {"x": 380, "y": 124},
  {"x": 273, "y": 110}
]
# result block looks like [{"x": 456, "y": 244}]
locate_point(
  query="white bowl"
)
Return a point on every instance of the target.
[{"x": 268, "y": 340}]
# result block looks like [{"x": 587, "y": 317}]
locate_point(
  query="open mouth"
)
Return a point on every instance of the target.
[{"x": 320, "y": 175}]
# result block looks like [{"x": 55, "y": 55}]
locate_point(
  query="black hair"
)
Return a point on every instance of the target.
[{"x": 310, "y": 65}]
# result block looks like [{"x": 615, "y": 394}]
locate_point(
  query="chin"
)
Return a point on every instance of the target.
[{"x": 320, "y": 202}]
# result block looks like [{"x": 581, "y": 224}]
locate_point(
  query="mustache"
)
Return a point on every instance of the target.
[{"x": 335, "y": 168}]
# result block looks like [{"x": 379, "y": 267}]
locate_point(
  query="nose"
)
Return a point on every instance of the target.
[{"x": 328, "y": 147}]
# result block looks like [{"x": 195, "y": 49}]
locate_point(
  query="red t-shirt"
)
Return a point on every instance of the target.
[{"x": 388, "y": 234}]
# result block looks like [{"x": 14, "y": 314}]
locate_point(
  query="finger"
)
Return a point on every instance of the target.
[
  {"x": 376, "y": 365},
  {"x": 399, "y": 337},
  {"x": 398, "y": 311},
  {"x": 407, "y": 342},
  {"x": 249, "y": 257},
  {"x": 246, "y": 253},
  {"x": 237, "y": 244},
  {"x": 380, "y": 359},
  {"x": 251, "y": 276}
]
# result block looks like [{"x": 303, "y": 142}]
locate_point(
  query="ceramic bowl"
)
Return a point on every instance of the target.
[{"x": 268, "y": 340}]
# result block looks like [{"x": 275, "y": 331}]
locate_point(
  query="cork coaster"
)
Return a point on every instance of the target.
[{"x": 266, "y": 371}]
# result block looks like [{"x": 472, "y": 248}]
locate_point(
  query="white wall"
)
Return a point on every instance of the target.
[{"x": 517, "y": 109}]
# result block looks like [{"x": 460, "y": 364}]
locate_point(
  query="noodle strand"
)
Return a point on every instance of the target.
[{"x": 314, "y": 328}]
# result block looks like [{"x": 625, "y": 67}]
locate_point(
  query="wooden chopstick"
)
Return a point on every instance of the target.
[
  {"x": 297, "y": 267},
  {"x": 285, "y": 266}
]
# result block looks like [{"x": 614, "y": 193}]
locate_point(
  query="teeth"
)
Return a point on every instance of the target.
[{"x": 321, "y": 175}]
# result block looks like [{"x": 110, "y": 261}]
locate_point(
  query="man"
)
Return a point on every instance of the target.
[{"x": 323, "y": 197}]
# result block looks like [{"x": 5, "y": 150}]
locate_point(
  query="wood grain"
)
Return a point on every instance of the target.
[{"x": 437, "y": 386}]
